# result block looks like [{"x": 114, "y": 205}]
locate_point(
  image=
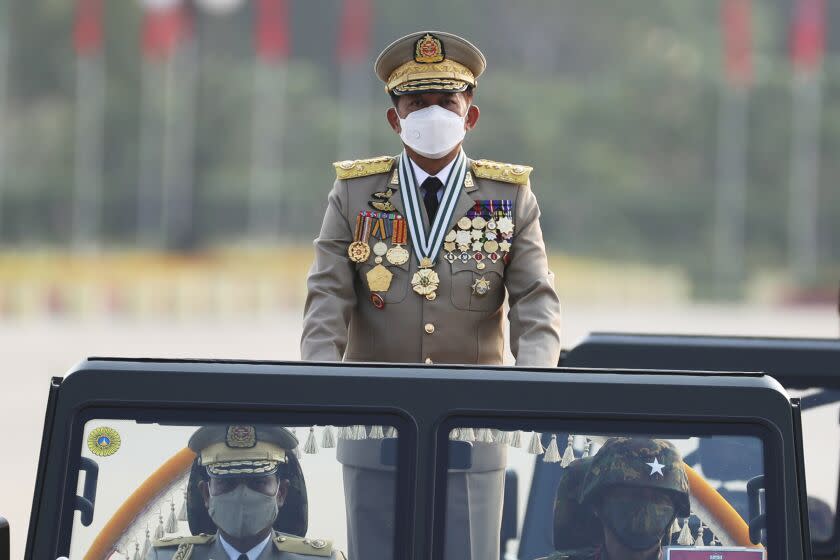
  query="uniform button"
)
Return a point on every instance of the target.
[
  {"x": 429, "y": 360},
  {"x": 430, "y": 328}
]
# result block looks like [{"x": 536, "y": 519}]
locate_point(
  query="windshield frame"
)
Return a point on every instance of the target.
[
  {"x": 620, "y": 424},
  {"x": 270, "y": 415}
]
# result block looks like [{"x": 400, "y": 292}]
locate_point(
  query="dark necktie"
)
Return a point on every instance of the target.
[
  {"x": 431, "y": 186},
  {"x": 242, "y": 557}
]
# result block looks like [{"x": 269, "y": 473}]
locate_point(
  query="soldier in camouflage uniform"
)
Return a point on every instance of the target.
[{"x": 635, "y": 487}]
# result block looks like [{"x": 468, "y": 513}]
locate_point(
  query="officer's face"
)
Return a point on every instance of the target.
[
  {"x": 269, "y": 485},
  {"x": 458, "y": 103}
]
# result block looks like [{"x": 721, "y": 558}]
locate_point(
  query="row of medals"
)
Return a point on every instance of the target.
[
  {"x": 474, "y": 237},
  {"x": 472, "y": 234}
]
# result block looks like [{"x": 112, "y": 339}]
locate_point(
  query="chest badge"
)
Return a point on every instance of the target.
[{"x": 481, "y": 286}]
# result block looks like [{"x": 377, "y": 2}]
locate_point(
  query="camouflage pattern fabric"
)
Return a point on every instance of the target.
[{"x": 640, "y": 462}]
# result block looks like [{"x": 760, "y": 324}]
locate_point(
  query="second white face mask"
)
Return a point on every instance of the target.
[{"x": 433, "y": 131}]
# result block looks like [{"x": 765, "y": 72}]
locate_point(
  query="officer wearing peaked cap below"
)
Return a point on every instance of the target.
[
  {"x": 245, "y": 483},
  {"x": 636, "y": 487},
  {"x": 418, "y": 251}
]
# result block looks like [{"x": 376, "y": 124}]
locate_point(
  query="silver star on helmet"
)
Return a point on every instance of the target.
[{"x": 656, "y": 467}]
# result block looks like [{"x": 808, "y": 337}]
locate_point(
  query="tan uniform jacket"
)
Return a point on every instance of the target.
[
  {"x": 208, "y": 547},
  {"x": 459, "y": 326}
]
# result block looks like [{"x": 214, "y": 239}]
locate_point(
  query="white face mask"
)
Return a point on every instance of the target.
[
  {"x": 433, "y": 131},
  {"x": 243, "y": 512}
]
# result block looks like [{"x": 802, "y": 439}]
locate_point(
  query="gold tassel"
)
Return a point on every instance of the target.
[
  {"x": 552, "y": 454},
  {"x": 467, "y": 434},
  {"x": 172, "y": 520},
  {"x": 377, "y": 433},
  {"x": 699, "y": 540},
  {"x": 391, "y": 432},
  {"x": 159, "y": 532},
  {"x": 328, "y": 440},
  {"x": 455, "y": 434},
  {"x": 182, "y": 513},
  {"x": 311, "y": 446},
  {"x": 516, "y": 439},
  {"x": 685, "y": 538},
  {"x": 343, "y": 432},
  {"x": 497, "y": 436},
  {"x": 587, "y": 448},
  {"x": 483, "y": 435},
  {"x": 137, "y": 550},
  {"x": 569, "y": 454},
  {"x": 535, "y": 447}
]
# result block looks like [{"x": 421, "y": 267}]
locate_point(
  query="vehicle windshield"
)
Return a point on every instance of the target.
[
  {"x": 567, "y": 491},
  {"x": 149, "y": 485}
]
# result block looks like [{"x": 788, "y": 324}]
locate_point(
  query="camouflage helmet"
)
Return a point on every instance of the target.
[{"x": 640, "y": 462}]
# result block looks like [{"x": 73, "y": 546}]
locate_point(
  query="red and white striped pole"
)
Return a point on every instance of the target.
[
  {"x": 807, "y": 46},
  {"x": 90, "y": 123},
  {"x": 730, "y": 195},
  {"x": 352, "y": 52},
  {"x": 271, "y": 49}
]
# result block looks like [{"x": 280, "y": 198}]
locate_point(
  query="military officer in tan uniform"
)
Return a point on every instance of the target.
[
  {"x": 242, "y": 478},
  {"x": 418, "y": 251}
]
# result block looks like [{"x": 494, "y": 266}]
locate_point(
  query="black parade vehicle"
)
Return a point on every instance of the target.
[{"x": 191, "y": 459}]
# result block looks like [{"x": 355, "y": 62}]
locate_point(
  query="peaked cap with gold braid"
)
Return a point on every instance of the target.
[{"x": 429, "y": 61}]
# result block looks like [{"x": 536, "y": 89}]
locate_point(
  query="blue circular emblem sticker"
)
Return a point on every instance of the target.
[{"x": 103, "y": 441}]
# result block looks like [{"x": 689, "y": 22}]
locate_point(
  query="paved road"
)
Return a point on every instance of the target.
[{"x": 34, "y": 351}]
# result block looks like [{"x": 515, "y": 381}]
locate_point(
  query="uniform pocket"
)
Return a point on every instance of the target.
[{"x": 477, "y": 290}]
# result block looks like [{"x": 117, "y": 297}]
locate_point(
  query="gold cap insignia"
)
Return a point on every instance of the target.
[
  {"x": 428, "y": 49},
  {"x": 241, "y": 436}
]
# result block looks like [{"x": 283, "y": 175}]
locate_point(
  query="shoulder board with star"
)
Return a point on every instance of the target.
[
  {"x": 505, "y": 172},
  {"x": 352, "y": 168},
  {"x": 178, "y": 541},
  {"x": 305, "y": 546}
]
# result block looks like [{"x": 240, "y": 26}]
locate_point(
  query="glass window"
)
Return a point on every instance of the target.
[
  {"x": 820, "y": 436},
  {"x": 582, "y": 491},
  {"x": 145, "y": 488}
]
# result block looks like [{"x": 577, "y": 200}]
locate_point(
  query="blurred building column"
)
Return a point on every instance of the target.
[
  {"x": 90, "y": 125},
  {"x": 268, "y": 183},
  {"x": 807, "y": 47},
  {"x": 354, "y": 79},
  {"x": 4, "y": 72},
  {"x": 731, "y": 191},
  {"x": 162, "y": 164}
]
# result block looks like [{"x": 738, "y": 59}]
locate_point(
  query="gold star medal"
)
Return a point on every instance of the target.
[
  {"x": 481, "y": 286},
  {"x": 425, "y": 282},
  {"x": 359, "y": 250}
]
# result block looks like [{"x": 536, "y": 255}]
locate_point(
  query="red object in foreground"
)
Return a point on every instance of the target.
[
  {"x": 87, "y": 34},
  {"x": 271, "y": 29},
  {"x": 736, "y": 31},
  {"x": 354, "y": 34},
  {"x": 164, "y": 30},
  {"x": 807, "y": 34}
]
